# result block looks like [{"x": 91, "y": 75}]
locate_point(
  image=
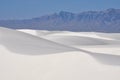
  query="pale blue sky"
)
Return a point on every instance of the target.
[{"x": 19, "y": 9}]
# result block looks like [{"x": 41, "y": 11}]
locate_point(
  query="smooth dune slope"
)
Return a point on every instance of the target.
[
  {"x": 115, "y": 36},
  {"x": 60, "y": 62},
  {"x": 92, "y": 41},
  {"x": 65, "y": 66},
  {"x": 23, "y": 43},
  {"x": 77, "y": 38}
]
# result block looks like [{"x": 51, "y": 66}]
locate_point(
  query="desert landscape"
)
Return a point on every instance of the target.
[{"x": 58, "y": 55}]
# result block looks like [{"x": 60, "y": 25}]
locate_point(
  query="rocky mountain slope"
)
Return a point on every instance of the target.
[{"x": 89, "y": 21}]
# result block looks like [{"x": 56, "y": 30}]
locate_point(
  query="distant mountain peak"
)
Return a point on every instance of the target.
[
  {"x": 64, "y": 12},
  {"x": 112, "y": 10},
  {"x": 66, "y": 15},
  {"x": 100, "y": 21}
]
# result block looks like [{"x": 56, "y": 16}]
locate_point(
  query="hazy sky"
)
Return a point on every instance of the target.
[{"x": 19, "y": 9}]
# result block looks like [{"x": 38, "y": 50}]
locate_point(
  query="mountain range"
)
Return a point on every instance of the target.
[{"x": 89, "y": 21}]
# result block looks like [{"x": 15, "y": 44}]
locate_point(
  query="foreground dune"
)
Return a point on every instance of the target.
[
  {"x": 58, "y": 56},
  {"x": 77, "y": 38},
  {"x": 20, "y": 42}
]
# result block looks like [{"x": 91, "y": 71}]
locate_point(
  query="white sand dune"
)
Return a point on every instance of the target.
[
  {"x": 73, "y": 38},
  {"x": 86, "y": 63},
  {"x": 76, "y": 40},
  {"x": 81, "y": 39},
  {"x": 65, "y": 66},
  {"x": 115, "y": 36},
  {"x": 20, "y": 42},
  {"x": 38, "y": 33}
]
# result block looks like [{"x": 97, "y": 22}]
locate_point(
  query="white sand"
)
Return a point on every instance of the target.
[{"x": 27, "y": 57}]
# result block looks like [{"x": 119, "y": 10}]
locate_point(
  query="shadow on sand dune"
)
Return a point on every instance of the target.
[
  {"x": 27, "y": 48},
  {"x": 107, "y": 59},
  {"x": 26, "y": 44}
]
